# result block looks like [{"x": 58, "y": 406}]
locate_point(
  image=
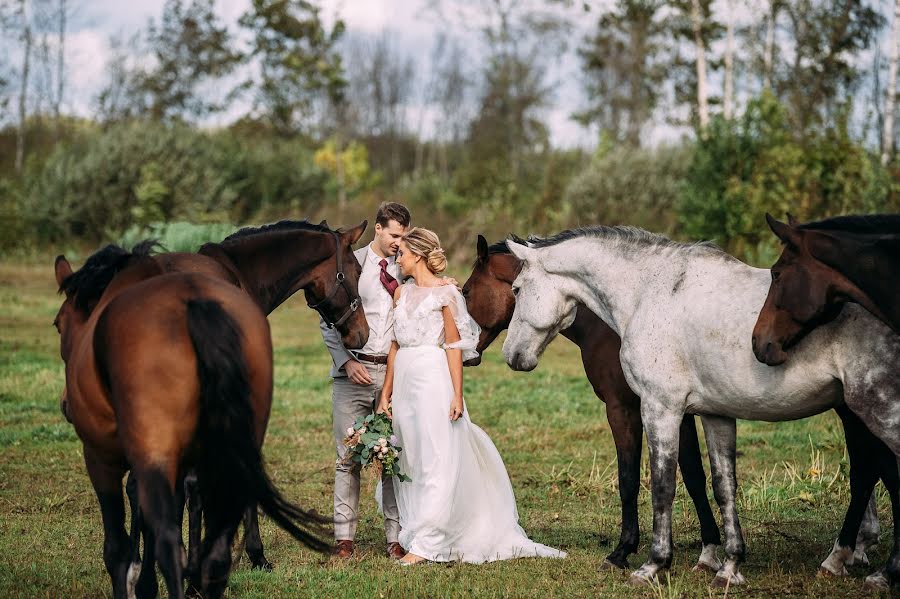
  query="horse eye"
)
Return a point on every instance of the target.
[
  {"x": 776, "y": 275},
  {"x": 515, "y": 290}
]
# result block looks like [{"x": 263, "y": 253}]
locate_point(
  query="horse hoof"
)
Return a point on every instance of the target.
[
  {"x": 609, "y": 566},
  {"x": 877, "y": 582},
  {"x": 859, "y": 558},
  {"x": 262, "y": 564},
  {"x": 636, "y": 580},
  {"x": 725, "y": 581},
  {"x": 826, "y": 573},
  {"x": 704, "y": 567}
]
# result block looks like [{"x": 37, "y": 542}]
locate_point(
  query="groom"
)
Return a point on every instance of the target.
[{"x": 359, "y": 375}]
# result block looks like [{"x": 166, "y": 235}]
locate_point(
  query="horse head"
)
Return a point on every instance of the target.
[
  {"x": 332, "y": 288},
  {"x": 488, "y": 292},
  {"x": 542, "y": 308},
  {"x": 803, "y": 294}
]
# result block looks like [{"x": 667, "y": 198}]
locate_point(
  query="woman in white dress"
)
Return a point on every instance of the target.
[{"x": 460, "y": 504}]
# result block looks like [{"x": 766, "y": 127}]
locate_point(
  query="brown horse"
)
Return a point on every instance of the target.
[
  {"x": 490, "y": 301},
  {"x": 823, "y": 265},
  {"x": 165, "y": 372},
  {"x": 271, "y": 263}
]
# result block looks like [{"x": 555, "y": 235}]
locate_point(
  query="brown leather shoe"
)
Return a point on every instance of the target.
[
  {"x": 395, "y": 551},
  {"x": 343, "y": 550}
]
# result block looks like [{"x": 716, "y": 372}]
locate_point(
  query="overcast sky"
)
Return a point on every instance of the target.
[{"x": 96, "y": 21}]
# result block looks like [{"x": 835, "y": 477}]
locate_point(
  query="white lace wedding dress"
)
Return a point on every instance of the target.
[{"x": 460, "y": 504}]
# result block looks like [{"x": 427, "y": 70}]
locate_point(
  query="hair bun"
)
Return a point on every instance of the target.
[{"x": 437, "y": 261}]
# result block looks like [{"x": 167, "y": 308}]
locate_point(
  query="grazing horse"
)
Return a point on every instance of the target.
[
  {"x": 684, "y": 313},
  {"x": 490, "y": 301},
  {"x": 823, "y": 265},
  {"x": 166, "y": 372},
  {"x": 271, "y": 263}
]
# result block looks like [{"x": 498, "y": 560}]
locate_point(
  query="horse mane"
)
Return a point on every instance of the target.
[
  {"x": 90, "y": 281},
  {"x": 871, "y": 224},
  {"x": 283, "y": 225},
  {"x": 625, "y": 235},
  {"x": 501, "y": 248}
]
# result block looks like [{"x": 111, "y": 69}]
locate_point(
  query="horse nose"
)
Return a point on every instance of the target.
[{"x": 753, "y": 343}]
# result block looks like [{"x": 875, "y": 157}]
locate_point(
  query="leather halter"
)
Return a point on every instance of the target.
[{"x": 340, "y": 282}]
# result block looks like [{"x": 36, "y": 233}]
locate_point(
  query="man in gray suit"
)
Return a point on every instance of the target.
[{"x": 359, "y": 375}]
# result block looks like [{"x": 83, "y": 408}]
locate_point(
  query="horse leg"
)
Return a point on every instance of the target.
[
  {"x": 721, "y": 440},
  {"x": 141, "y": 575},
  {"x": 107, "y": 482},
  {"x": 157, "y": 499},
  {"x": 691, "y": 464},
  {"x": 662, "y": 428},
  {"x": 215, "y": 557},
  {"x": 862, "y": 447},
  {"x": 191, "y": 495},
  {"x": 890, "y": 574},
  {"x": 627, "y": 430},
  {"x": 252, "y": 540}
]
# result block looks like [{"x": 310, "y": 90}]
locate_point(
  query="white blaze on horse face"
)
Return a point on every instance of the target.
[{"x": 541, "y": 312}]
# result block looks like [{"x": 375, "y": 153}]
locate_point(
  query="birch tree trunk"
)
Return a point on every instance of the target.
[
  {"x": 23, "y": 93},
  {"x": 728, "y": 101},
  {"x": 769, "y": 52},
  {"x": 697, "y": 23},
  {"x": 890, "y": 93},
  {"x": 60, "y": 62}
]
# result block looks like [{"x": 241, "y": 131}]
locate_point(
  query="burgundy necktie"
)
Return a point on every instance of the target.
[{"x": 389, "y": 282}]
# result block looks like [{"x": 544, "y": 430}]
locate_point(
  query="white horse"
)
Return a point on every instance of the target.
[{"x": 685, "y": 314}]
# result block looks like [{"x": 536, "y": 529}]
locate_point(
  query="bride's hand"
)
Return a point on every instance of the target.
[
  {"x": 456, "y": 408},
  {"x": 384, "y": 407}
]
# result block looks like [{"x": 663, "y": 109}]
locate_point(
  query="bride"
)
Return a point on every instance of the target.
[{"x": 460, "y": 504}]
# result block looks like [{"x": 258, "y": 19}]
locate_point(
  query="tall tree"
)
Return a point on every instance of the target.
[
  {"x": 820, "y": 74},
  {"x": 728, "y": 96},
  {"x": 624, "y": 69},
  {"x": 25, "y": 20},
  {"x": 692, "y": 21},
  {"x": 190, "y": 47},
  {"x": 890, "y": 92},
  {"x": 298, "y": 61},
  {"x": 62, "y": 14}
]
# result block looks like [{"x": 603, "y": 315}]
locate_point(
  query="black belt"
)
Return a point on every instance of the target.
[{"x": 371, "y": 359}]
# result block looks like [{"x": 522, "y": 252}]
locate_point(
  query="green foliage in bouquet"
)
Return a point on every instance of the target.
[{"x": 371, "y": 442}]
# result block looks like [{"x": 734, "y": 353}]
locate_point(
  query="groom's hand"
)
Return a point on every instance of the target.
[{"x": 357, "y": 373}]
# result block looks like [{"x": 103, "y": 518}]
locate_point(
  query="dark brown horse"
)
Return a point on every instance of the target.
[
  {"x": 164, "y": 373},
  {"x": 271, "y": 263},
  {"x": 490, "y": 301},
  {"x": 823, "y": 265}
]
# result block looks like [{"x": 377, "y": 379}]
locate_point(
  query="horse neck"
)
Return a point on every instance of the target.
[
  {"x": 275, "y": 265},
  {"x": 609, "y": 277}
]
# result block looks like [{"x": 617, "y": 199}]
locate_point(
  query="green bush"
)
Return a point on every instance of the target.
[
  {"x": 177, "y": 236},
  {"x": 744, "y": 168},
  {"x": 626, "y": 185}
]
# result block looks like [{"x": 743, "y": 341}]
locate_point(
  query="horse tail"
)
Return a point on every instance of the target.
[{"x": 230, "y": 468}]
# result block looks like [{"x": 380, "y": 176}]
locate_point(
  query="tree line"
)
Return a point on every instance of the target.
[{"x": 767, "y": 105}]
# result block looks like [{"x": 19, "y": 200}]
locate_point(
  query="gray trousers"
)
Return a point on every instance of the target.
[{"x": 349, "y": 401}]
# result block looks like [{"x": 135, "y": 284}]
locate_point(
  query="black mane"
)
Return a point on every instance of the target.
[
  {"x": 90, "y": 281},
  {"x": 501, "y": 248},
  {"x": 878, "y": 224},
  {"x": 283, "y": 225}
]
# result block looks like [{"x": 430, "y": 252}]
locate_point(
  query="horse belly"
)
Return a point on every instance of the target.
[{"x": 772, "y": 403}]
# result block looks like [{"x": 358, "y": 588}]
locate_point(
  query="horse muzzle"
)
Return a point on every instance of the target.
[{"x": 768, "y": 352}]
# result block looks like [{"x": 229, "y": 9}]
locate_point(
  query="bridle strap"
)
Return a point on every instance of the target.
[{"x": 340, "y": 282}]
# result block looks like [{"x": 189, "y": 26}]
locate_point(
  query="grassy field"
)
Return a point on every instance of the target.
[{"x": 548, "y": 425}]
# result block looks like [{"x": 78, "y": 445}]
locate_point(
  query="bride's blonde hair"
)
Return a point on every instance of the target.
[{"x": 426, "y": 244}]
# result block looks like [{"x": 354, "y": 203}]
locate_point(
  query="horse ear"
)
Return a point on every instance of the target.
[
  {"x": 791, "y": 220},
  {"x": 356, "y": 232},
  {"x": 324, "y": 223},
  {"x": 482, "y": 249},
  {"x": 63, "y": 269},
  {"x": 520, "y": 251},
  {"x": 785, "y": 232}
]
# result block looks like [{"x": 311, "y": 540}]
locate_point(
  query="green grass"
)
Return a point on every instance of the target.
[{"x": 548, "y": 425}]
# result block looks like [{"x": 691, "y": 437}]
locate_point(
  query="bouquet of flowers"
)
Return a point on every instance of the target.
[{"x": 371, "y": 442}]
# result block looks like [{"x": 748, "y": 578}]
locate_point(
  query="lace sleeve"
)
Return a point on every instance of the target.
[{"x": 465, "y": 324}]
